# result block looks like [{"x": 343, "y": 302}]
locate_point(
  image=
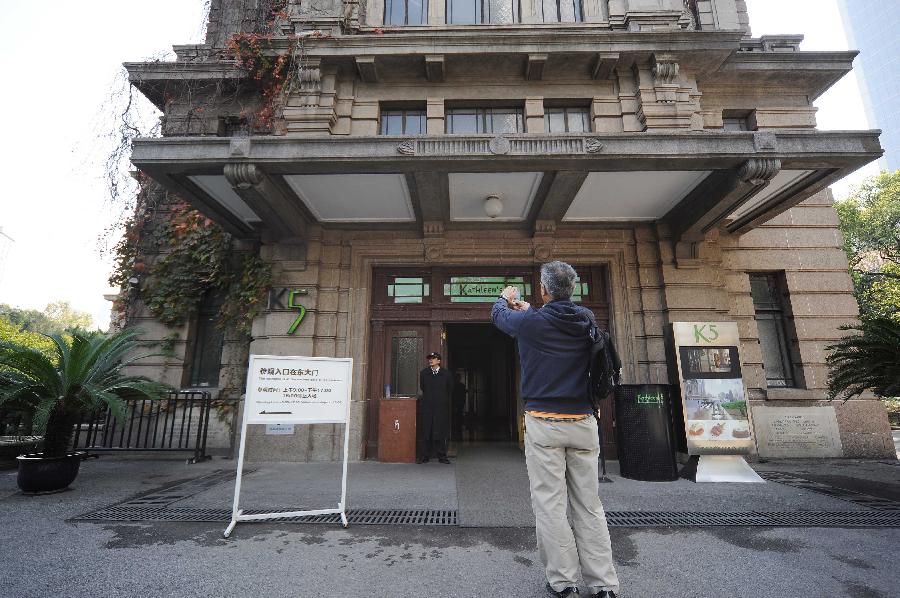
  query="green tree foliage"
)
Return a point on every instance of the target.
[
  {"x": 870, "y": 223},
  {"x": 866, "y": 361},
  {"x": 71, "y": 319},
  {"x": 57, "y": 318},
  {"x": 13, "y": 333},
  {"x": 83, "y": 373}
]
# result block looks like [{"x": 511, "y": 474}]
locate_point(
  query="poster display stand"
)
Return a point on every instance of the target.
[
  {"x": 716, "y": 412},
  {"x": 295, "y": 390}
]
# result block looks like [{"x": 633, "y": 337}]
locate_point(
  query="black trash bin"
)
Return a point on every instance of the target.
[{"x": 646, "y": 446}]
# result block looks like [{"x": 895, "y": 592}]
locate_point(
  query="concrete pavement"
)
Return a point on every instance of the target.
[{"x": 44, "y": 552}]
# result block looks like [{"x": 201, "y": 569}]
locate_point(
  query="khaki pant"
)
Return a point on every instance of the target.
[{"x": 562, "y": 470}]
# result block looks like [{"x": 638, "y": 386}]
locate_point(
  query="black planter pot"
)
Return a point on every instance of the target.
[{"x": 38, "y": 474}]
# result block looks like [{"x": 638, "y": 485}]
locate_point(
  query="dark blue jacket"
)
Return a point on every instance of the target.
[{"x": 554, "y": 352}]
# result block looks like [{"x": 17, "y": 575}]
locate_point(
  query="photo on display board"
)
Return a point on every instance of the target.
[
  {"x": 710, "y": 362},
  {"x": 712, "y": 429},
  {"x": 716, "y": 409}
]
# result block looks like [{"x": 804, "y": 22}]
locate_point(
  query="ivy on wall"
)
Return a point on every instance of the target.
[{"x": 171, "y": 256}]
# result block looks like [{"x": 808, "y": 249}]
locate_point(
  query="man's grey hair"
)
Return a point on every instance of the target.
[{"x": 559, "y": 279}]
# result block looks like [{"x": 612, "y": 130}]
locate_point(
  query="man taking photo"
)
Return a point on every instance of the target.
[{"x": 561, "y": 442}]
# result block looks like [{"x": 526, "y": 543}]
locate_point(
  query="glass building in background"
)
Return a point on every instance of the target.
[{"x": 872, "y": 27}]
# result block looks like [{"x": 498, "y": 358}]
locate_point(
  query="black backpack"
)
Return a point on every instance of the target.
[{"x": 605, "y": 366}]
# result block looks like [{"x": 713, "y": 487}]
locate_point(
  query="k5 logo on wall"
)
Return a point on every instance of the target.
[
  {"x": 285, "y": 298},
  {"x": 716, "y": 415}
]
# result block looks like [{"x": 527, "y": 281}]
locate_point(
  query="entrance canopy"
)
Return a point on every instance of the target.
[{"x": 277, "y": 185}]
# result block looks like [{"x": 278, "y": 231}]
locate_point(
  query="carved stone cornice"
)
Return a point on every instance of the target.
[
  {"x": 759, "y": 171},
  {"x": 499, "y": 146},
  {"x": 243, "y": 175}
]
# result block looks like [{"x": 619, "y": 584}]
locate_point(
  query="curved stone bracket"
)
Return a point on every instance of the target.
[
  {"x": 279, "y": 213},
  {"x": 759, "y": 171},
  {"x": 243, "y": 175}
]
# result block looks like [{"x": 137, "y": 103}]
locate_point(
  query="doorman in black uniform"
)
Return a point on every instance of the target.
[{"x": 436, "y": 384}]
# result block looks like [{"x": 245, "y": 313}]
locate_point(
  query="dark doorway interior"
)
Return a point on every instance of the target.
[{"x": 485, "y": 402}]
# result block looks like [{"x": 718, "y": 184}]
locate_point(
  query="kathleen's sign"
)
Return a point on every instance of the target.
[
  {"x": 297, "y": 390},
  {"x": 716, "y": 416}
]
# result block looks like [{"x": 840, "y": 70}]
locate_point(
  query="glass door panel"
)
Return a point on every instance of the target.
[{"x": 406, "y": 351}]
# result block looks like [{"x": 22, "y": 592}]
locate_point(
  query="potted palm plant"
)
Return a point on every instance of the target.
[{"x": 82, "y": 373}]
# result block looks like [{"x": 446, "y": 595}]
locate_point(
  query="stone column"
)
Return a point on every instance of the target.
[
  {"x": 311, "y": 109},
  {"x": 606, "y": 114},
  {"x": 435, "y": 116},
  {"x": 534, "y": 115}
]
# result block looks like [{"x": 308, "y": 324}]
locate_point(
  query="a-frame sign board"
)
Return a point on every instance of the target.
[{"x": 295, "y": 390}]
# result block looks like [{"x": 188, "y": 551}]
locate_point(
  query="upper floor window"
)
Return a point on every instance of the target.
[
  {"x": 562, "y": 11},
  {"x": 484, "y": 120},
  {"x": 566, "y": 120},
  {"x": 479, "y": 12},
  {"x": 406, "y": 12},
  {"x": 402, "y": 122}
]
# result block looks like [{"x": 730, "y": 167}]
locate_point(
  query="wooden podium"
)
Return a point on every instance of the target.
[{"x": 397, "y": 430}]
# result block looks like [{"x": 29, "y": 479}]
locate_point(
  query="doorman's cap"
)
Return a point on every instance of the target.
[{"x": 435, "y": 355}]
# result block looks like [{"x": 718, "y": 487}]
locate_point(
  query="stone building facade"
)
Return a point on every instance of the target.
[{"x": 427, "y": 152}]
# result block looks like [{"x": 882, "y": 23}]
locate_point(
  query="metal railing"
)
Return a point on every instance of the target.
[
  {"x": 178, "y": 423},
  {"x": 15, "y": 422}
]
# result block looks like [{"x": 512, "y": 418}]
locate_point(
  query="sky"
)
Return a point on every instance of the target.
[{"x": 61, "y": 60}]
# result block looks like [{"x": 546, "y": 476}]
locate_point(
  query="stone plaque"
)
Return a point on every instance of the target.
[{"x": 797, "y": 432}]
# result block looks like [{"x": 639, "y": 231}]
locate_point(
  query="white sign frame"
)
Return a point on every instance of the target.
[{"x": 295, "y": 365}]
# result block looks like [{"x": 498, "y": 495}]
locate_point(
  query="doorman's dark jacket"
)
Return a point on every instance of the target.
[
  {"x": 434, "y": 406},
  {"x": 554, "y": 351}
]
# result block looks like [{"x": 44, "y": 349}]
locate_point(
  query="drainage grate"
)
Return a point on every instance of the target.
[
  {"x": 750, "y": 518},
  {"x": 836, "y": 518},
  {"x": 682, "y": 518},
  {"x": 426, "y": 517},
  {"x": 449, "y": 518},
  {"x": 864, "y": 500}
]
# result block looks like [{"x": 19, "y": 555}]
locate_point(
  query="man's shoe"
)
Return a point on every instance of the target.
[
  {"x": 444, "y": 460},
  {"x": 570, "y": 591},
  {"x": 604, "y": 594},
  {"x": 423, "y": 460}
]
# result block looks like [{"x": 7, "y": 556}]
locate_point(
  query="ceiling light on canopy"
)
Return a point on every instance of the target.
[{"x": 493, "y": 206}]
